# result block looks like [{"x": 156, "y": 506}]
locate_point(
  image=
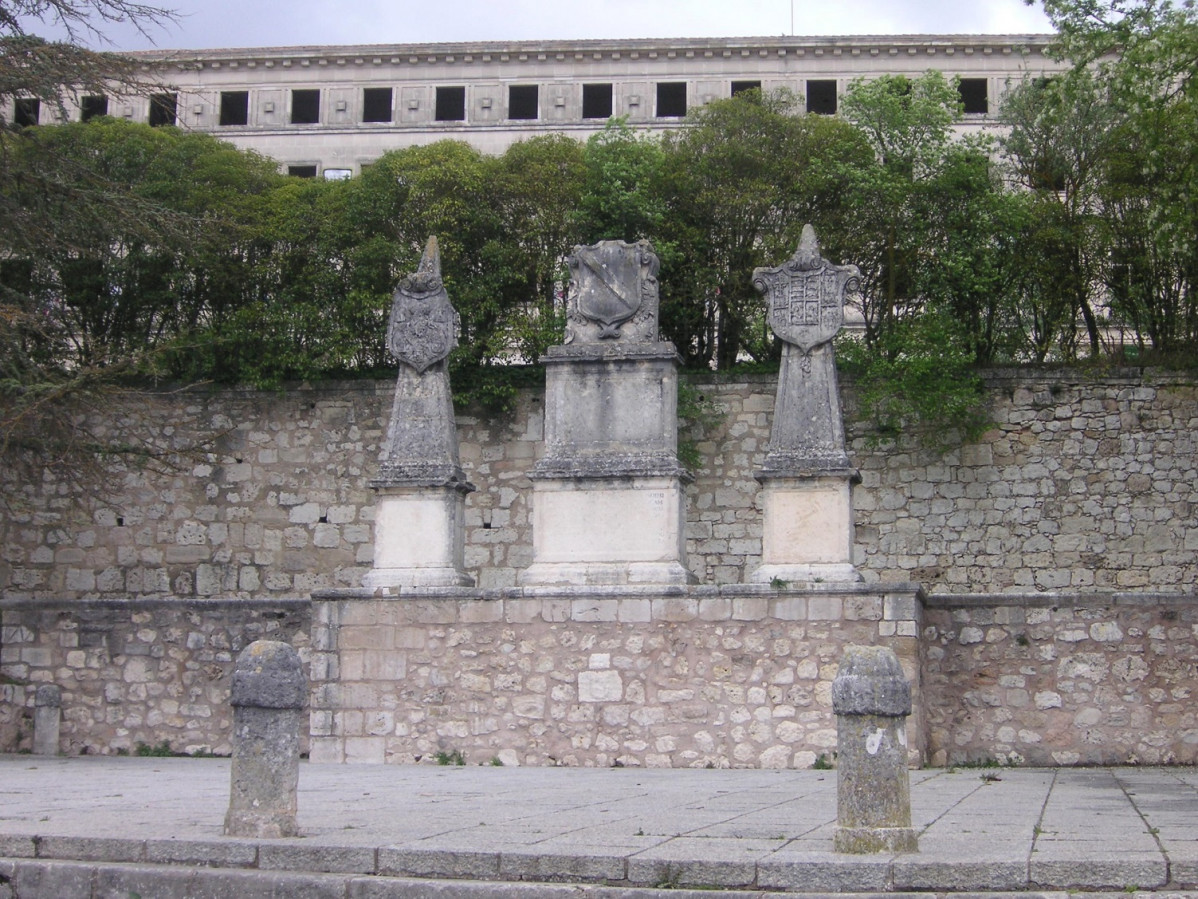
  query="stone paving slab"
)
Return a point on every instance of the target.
[{"x": 96, "y": 826}]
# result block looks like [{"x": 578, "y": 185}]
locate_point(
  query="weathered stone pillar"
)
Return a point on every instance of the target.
[
  {"x": 47, "y": 716},
  {"x": 269, "y": 689},
  {"x": 608, "y": 495},
  {"x": 872, "y": 699},
  {"x": 806, "y": 478},
  {"x": 419, "y": 521}
]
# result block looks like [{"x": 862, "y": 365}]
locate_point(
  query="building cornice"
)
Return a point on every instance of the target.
[{"x": 602, "y": 50}]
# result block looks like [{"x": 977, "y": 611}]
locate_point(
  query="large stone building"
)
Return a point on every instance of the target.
[{"x": 331, "y": 110}]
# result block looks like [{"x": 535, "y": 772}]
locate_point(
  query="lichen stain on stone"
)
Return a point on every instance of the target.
[{"x": 874, "y": 741}]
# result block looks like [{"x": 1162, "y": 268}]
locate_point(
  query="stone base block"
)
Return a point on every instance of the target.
[
  {"x": 590, "y": 574},
  {"x": 416, "y": 577},
  {"x": 807, "y": 530},
  {"x": 868, "y": 840},
  {"x": 419, "y": 539},
  {"x": 793, "y": 575},
  {"x": 618, "y": 531}
]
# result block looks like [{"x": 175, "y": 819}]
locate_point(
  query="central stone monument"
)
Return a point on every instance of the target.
[
  {"x": 806, "y": 477},
  {"x": 608, "y": 492},
  {"x": 419, "y": 515}
]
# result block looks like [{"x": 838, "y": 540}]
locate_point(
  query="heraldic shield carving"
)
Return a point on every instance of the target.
[
  {"x": 612, "y": 283},
  {"x": 423, "y": 327},
  {"x": 806, "y": 294}
]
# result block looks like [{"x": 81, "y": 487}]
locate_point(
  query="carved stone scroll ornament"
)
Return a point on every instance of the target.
[
  {"x": 806, "y": 296},
  {"x": 424, "y": 327},
  {"x": 612, "y": 293}
]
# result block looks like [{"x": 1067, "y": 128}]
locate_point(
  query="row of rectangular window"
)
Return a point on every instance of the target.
[
  {"x": 524, "y": 101},
  {"x": 450, "y": 103},
  {"x": 164, "y": 109}
]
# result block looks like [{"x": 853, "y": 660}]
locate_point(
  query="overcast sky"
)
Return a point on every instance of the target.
[{"x": 206, "y": 24}]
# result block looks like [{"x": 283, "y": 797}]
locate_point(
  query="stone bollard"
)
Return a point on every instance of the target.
[
  {"x": 47, "y": 715},
  {"x": 269, "y": 689},
  {"x": 872, "y": 700}
]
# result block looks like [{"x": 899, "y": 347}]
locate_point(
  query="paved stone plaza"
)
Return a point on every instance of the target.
[{"x": 91, "y": 827}]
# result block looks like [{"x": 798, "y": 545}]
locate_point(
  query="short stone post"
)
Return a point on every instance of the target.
[
  {"x": 47, "y": 715},
  {"x": 269, "y": 689},
  {"x": 872, "y": 699}
]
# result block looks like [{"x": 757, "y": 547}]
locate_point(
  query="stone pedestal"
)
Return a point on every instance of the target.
[
  {"x": 268, "y": 694},
  {"x": 872, "y": 700},
  {"x": 807, "y": 530},
  {"x": 608, "y": 496},
  {"x": 806, "y": 477},
  {"x": 418, "y": 537}
]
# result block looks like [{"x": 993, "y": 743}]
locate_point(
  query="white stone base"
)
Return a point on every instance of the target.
[
  {"x": 419, "y": 538},
  {"x": 594, "y": 532},
  {"x": 798, "y": 575},
  {"x": 808, "y": 531}
]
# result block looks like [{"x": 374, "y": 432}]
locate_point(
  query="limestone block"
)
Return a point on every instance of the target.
[
  {"x": 418, "y": 538},
  {"x": 808, "y": 533},
  {"x": 626, "y": 530}
]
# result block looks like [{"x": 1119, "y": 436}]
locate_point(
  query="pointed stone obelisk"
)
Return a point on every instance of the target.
[
  {"x": 806, "y": 477},
  {"x": 421, "y": 489},
  {"x": 608, "y": 494}
]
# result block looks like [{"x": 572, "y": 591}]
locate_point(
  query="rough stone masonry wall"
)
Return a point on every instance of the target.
[
  {"x": 134, "y": 671},
  {"x": 1081, "y": 485},
  {"x": 736, "y": 677},
  {"x": 1061, "y": 680}
]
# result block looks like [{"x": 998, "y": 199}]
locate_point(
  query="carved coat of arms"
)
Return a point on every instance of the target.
[
  {"x": 423, "y": 326},
  {"x": 806, "y": 294},
  {"x": 613, "y": 283}
]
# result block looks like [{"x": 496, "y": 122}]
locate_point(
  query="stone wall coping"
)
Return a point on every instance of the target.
[
  {"x": 1029, "y": 374},
  {"x": 207, "y": 604},
  {"x": 615, "y": 592},
  {"x": 1056, "y": 600},
  {"x": 702, "y": 591}
]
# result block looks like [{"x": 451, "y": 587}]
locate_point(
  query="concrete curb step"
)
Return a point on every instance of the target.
[
  {"x": 61, "y": 879},
  {"x": 57, "y": 867}
]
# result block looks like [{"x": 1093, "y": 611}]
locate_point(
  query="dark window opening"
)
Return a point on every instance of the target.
[
  {"x": 164, "y": 109},
  {"x": 740, "y": 87},
  {"x": 91, "y": 107},
  {"x": 671, "y": 99},
  {"x": 305, "y": 107},
  {"x": 974, "y": 100},
  {"x": 821, "y": 97},
  {"x": 451, "y": 104},
  {"x": 302, "y": 171},
  {"x": 376, "y": 104},
  {"x": 596, "y": 101},
  {"x": 27, "y": 111},
  {"x": 522, "y": 101},
  {"x": 1046, "y": 173},
  {"x": 234, "y": 107}
]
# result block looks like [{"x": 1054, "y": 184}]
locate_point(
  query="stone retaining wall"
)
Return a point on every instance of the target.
[
  {"x": 1082, "y": 484},
  {"x": 1061, "y": 680},
  {"x": 740, "y": 677},
  {"x": 135, "y": 671},
  {"x": 726, "y": 676}
]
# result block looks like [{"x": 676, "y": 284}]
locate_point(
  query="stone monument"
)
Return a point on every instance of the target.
[
  {"x": 608, "y": 493},
  {"x": 421, "y": 489},
  {"x": 872, "y": 699},
  {"x": 806, "y": 477}
]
